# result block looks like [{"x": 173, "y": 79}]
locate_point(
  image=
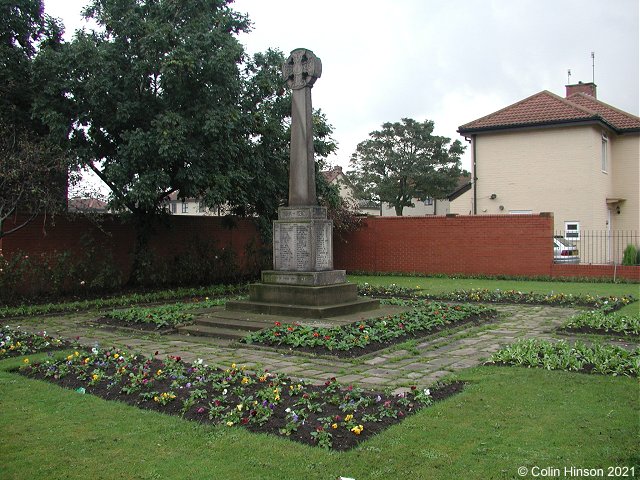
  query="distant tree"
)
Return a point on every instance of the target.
[
  {"x": 405, "y": 161},
  {"x": 33, "y": 172}
]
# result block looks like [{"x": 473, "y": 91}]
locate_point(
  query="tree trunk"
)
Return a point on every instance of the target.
[
  {"x": 142, "y": 270},
  {"x": 399, "y": 209}
]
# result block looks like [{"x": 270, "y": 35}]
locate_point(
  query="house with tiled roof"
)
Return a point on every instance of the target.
[
  {"x": 576, "y": 157},
  {"x": 87, "y": 204}
]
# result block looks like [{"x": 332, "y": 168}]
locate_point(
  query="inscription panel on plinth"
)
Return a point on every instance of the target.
[
  {"x": 302, "y": 246},
  {"x": 323, "y": 251},
  {"x": 292, "y": 246}
]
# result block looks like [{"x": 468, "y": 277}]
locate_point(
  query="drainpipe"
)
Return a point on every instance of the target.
[{"x": 475, "y": 174}]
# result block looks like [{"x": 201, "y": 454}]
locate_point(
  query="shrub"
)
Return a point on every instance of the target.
[
  {"x": 199, "y": 263},
  {"x": 57, "y": 273},
  {"x": 630, "y": 256}
]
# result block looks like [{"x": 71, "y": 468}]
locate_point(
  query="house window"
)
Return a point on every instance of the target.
[
  {"x": 202, "y": 208},
  {"x": 173, "y": 207},
  {"x": 572, "y": 230},
  {"x": 605, "y": 156},
  {"x": 428, "y": 201},
  {"x": 185, "y": 207}
]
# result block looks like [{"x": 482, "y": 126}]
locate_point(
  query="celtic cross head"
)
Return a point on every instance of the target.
[{"x": 301, "y": 69}]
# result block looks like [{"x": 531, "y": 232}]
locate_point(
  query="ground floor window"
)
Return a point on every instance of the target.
[{"x": 572, "y": 230}]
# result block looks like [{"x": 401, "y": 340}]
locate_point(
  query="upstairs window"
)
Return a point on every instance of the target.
[{"x": 605, "y": 153}]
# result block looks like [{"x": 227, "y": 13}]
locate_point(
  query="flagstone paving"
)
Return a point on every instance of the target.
[{"x": 421, "y": 365}]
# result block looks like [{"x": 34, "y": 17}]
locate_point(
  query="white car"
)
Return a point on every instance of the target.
[{"x": 564, "y": 252}]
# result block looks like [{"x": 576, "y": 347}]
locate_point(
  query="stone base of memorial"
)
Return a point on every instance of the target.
[{"x": 303, "y": 282}]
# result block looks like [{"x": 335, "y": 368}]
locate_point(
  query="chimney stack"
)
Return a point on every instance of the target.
[{"x": 588, "y": 88}]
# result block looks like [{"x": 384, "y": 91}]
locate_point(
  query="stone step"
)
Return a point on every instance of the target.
[
  {"x": 222, "y": 313},
  {"x": 239, "y": 324},
  {"x": 304, "y": 311},
  {"x": 213, "y": 331}
]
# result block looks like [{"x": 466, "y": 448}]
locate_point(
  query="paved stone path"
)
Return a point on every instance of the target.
[{"x": 422, "y": 364}]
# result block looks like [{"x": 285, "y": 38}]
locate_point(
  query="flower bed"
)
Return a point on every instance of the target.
[
  {"x": 328, "y": 415},
  {"x": 359, "y": 338},
  {"x": 513, "y": 296},
  {"x": 609, "y": 304},
  {"x": 602, "y": 359},
  {"x": 122, "y": 301},
  {"x": 387, "y": 291},
  {"x": 15, "y": 342},
  {"x": 164, "y": 317},
  {"x": 599, "y": 322}
]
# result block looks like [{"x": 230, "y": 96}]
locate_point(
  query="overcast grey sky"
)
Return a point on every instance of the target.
[{"x": 450, "y": 61}]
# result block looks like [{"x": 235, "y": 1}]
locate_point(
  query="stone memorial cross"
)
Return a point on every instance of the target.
[
  {"x": 301, "y": 70},
  {"x": 303, "y": 282}
]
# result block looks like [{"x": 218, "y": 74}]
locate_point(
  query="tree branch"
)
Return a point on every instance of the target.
[
  {"x": 111, "y": 186},
  {"x": 16, "y": 228}
]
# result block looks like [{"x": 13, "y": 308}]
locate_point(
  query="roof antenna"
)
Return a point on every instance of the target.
[
  {"x": 593, "y": 67},
  {"x": 569, "y": 76}
]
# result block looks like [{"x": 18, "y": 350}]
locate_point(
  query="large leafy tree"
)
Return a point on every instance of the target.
[
  {"x": 148, "y": 100},
  {"x": 405, "y": 161},
  {"x": 33, "y": 172},
  {"x": 162, "y": 99}
]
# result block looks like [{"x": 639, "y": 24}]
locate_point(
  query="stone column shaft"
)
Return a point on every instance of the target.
[{"x": 302, "y": 174}]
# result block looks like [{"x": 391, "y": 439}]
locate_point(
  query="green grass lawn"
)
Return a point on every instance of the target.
[
  {"x": 440, "y": 285},
  {"x": 505, "y": 419}
]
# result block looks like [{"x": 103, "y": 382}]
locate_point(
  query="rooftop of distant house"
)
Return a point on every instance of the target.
[
  {"x": 332, "y": 174},
  {"x": 83, "y": 204}
]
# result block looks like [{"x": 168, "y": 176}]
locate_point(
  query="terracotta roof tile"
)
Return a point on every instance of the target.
[
  {"x": 615, "y": 117},
  {"x": 547, "y": 108}
]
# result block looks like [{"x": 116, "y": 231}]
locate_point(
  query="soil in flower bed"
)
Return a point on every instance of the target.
[
  {"x": 359, "y": 351},
  {"x": 329, "y": 415}
]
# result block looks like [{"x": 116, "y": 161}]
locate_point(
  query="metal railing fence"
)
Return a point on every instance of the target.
[{"x": 602, "y": 247}]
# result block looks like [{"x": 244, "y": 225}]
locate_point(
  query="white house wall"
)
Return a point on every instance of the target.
[
  {"x": 437, "y": 207},
  {"x": 546, "y": 170},
  {"x": 626, "y": 181},
  {"x": 462, "y": 205}
]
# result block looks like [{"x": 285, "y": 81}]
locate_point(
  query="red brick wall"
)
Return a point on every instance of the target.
[
  {"x": 596, "y": 271},
  {"x": 518, "y": 245},
  {"x": 118, "y": 237},
  {"x": 472, "y": 245}
]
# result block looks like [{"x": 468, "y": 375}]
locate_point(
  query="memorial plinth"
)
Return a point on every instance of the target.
[{"x": 303, "y": 282}]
